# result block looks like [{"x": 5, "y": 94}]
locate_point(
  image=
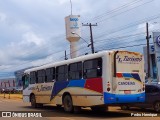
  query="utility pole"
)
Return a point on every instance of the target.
[
  {"x": 65, "y": 55},
  {"x": 148, "y": 54},
  {"x": 71, "y": 6},
  {"x": 90, "y": 26}
]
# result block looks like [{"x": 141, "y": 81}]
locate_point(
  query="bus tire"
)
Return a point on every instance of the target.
[
  {"x": 33, "y": 101},
  {"x": 68, "y": 105},
  {"x": 157, "y": 106}
]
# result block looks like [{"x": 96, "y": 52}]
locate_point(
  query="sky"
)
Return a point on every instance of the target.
[{"x": 32, "y": 32}]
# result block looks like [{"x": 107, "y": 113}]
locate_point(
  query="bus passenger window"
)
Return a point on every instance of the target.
[
  {"x": 50, "y": 74},
  {"x": 62, "y": 73},
  {"x": 33, "y": 77},
  {"x": 75, "y": 71},
  {"x": 92, "y": 68},
  {"x": 41, "y": 76},
  {"x": 25, "y": 80},
  {"x": 99, "y": 71}
]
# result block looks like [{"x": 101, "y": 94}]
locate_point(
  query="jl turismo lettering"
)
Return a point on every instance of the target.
[
  {"x": 129, "y": 59},
  {"x": 43, "y": 88}
]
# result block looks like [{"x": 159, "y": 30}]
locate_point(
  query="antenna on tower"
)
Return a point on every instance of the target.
[{"x": 71, "y": 6}]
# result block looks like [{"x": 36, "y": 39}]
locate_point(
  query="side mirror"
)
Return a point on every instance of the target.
[
  {"x": 53, "y": 80},
  {"x": 23, "y": 78}
]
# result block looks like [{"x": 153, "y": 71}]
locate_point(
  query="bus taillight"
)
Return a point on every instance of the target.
[
  {"x": 127, "y": 91},
  {"x": 108, "y": 89},
  {"x": 143, "y": 87},
  {"x": 108, "y": 86}
]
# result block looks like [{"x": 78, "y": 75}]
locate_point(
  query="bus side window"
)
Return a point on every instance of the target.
[
  {"x": 25, "y": 80},
  {"x": 50, "y": 74},
  {"x": 33, "y": 77},
  {"x": 92, "y": 68},
  {"x": 41, "y": 76},
  {"x": 75, "y": 71},
  {"x": 62, "y": 73},
  {"x": 99, "y": 67}
]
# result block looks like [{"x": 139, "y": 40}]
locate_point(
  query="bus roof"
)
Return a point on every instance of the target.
[{"x": 77, "y": 59}]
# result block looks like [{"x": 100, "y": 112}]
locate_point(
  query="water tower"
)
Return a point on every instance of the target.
[{"x": 73, "y": 33}]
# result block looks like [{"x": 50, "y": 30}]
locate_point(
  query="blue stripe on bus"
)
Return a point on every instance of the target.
[
  {"x": 110, "y": 98},
  {"x": 58, "y": 86},
  {"x": 77, "y": 83},
  {"x": 136, "y": 76},
  {"x": 128, "y": 75}
]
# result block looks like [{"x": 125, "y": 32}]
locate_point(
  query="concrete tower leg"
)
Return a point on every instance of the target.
[{"x": 73, "y": 49}]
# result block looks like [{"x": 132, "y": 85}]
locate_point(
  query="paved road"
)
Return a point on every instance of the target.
[{"x": 114, "y": 112}]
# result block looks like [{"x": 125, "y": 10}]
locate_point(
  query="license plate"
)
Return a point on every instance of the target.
[{"x": 127, "y": 92}]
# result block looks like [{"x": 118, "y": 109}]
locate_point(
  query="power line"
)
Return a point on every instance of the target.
[
  {"x": 128, "y": 26},
  {"x": 125, "y": 11},
  {"x": 63, "y": 51},
  {"x": 79, "y": 49},
  {"x": 114, "y": 10},
  {"x": 126, "y": 46},
  {"x": 119, "y": 42},
  {"x": 119, "y": 37},
  {"x": 118, "y": 8}
]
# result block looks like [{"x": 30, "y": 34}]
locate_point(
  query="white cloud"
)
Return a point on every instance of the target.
[
  {"x": 2, "y": 17},
  {"x": 29, "y": 28},
  {"x": 31, "y": 37}
]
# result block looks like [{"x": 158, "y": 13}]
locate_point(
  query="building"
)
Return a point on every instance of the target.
[
  {"x": 7, "y": 83},
  {"x": 18, "y": 77},
  {"x": 154, "y": 57},
  {"x": 153, "y": 67}
]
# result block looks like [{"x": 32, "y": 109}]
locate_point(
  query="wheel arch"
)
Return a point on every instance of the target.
[
  {"x": 30, "y": 96},
  {"x": 156, "y": 102},
  {"x": 64, "y": 94}
]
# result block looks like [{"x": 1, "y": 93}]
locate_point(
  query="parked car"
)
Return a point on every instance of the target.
[
  {"x": 18, "y": 90},
  {"x": 8, "y": 90},
  {"x": 152, "y": 99},
  {"x": 153, "y": 81}
]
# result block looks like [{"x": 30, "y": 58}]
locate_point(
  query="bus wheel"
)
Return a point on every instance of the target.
[
  {"x": 157, "y": 106},
  {"x": 67, "y": 102},
  {"x": 33, "y": 101}
]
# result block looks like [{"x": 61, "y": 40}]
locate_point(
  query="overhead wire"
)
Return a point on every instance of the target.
[{"x": 139, "y": 0}]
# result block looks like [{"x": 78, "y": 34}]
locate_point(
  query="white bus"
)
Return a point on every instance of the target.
[{"x": 96, "y": 80}]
